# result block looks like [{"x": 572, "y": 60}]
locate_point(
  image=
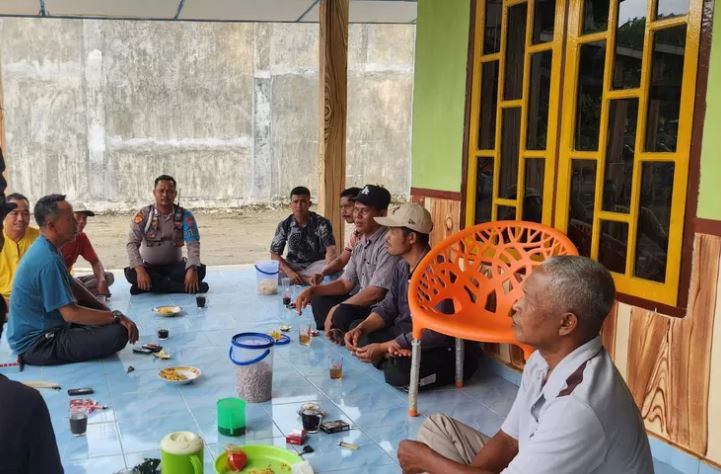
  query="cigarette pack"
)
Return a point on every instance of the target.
[{"x": 334, "y": 426}]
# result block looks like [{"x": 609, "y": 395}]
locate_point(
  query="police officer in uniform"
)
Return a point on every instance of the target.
[{"x": 157, "y": 235}]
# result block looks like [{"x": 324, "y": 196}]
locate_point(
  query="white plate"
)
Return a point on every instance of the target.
[
  {"x": 179, "y": 375},
  {"x": 167, "y": 311}
]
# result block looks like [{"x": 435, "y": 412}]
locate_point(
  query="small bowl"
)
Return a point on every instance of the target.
[{"x": 179, "y": 375}]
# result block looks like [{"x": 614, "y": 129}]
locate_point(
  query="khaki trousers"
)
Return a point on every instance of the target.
[{"x": 451, "y": 438}]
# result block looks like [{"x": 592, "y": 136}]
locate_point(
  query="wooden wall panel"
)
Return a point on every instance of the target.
[
  {"x": 714, "y": 394},
  {"x": 446, "y": 214},
  {"x": 669, "y": 358}
]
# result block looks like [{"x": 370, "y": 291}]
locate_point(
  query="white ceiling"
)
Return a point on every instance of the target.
[{"x": 361, "y": 11}]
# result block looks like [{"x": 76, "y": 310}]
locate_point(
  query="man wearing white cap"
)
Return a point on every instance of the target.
[
  {"x": 99, "y": 281},
  {"x": 384, "y": 337}
]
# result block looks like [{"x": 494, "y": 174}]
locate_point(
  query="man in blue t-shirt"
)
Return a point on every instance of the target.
[
  {"x": 54, "y": 319},
  {"x": 27, "y": 439}
]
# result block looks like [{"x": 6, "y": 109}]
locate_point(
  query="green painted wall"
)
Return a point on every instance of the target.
[
  {"x": 709, "y": 199},
  {"x": 439, "y": 94}
]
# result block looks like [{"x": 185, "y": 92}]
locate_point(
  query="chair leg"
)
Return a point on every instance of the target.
[
  {"x": 460, "y": 353},
  {"x": 415, "y": 373}
]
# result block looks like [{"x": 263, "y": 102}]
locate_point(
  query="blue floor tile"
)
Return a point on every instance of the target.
[{"x": 143, "y": 408}]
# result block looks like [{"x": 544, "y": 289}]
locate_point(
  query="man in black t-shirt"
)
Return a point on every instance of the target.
[
  {"x": 27, "y": 440},
  {"x": 309, "y": 237}
]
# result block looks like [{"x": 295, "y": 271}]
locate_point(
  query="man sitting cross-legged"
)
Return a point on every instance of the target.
[
  {"x": 53, "y": 318},
  {"x": 158, "y": 233},
  {"x": 384, "y": 337},
  {"x": 309, "y": 237},
  {"x": 573, "y": 412},
  {"x": 27, "y": 439},
  {"x": 370, "y": 268}
]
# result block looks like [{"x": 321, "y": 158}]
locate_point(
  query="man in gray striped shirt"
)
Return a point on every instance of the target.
[{"x": 370, "y": 269}]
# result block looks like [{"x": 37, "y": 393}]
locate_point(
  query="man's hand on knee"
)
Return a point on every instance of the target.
[
  {"x": 413, "y": 456},
  {"x": 142, "y": 278},
  {"x": 191, "y": 280}
]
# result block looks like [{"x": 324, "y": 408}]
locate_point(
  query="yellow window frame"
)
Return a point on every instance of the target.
[
  {"x": 666, "y": 292},
  {"x": 474, "y": 154},
  {"x": 626, "y": 283}
]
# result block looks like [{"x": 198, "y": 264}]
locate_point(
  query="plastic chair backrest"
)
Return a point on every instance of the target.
[{"x": 481, "y": 269}]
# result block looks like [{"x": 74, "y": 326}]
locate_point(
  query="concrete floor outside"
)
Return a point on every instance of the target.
[{"x": 240, "y": 236}]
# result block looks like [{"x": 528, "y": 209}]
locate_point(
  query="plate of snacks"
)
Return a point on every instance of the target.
[
  {"x": 179, "y": 375},
  {"x": 167, "y": 310},
  {"x": 256, "y": 459}
]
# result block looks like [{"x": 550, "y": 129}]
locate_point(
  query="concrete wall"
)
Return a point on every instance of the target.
[{"x": 96, "y": 109}]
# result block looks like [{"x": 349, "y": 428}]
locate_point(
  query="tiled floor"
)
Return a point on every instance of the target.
[{"x": 143, "y": 408}]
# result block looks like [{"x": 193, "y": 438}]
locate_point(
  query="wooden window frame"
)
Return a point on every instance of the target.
[{"x": 694, "y": 93}]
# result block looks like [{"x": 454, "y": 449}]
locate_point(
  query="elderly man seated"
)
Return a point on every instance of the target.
[
  {"x": 384, "y": 337},
  {"x": 309, "y": 236},
  {"x": 53, "y": 318},
  {"x": 573, "y": 412}
]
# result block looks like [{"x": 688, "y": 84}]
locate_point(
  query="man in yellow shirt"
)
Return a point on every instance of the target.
[{"x": 18, "y": 238}]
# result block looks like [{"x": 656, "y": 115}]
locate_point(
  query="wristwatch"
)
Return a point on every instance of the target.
[{"x": 117, "y": 316}]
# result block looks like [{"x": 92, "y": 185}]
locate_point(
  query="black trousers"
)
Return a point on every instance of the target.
[
  {"x": 165, "y": 278},
  {"x": 438, "y": 365},
  {"x": 343, "y": 316},
  {"x": 75, "y": 343}
]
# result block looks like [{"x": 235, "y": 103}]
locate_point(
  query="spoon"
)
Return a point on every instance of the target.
[{"x": 306, "y": 450}]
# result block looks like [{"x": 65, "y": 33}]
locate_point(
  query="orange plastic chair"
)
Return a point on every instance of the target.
[{"x": 480, "y": 270}]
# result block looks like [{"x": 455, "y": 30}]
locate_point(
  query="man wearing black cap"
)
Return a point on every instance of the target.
[
  {"x": 27, "y": 440},
  {"x": 384, "y": 337},
  {"x": 370, "y": 269},
  {"x": 97, "y": 282}
]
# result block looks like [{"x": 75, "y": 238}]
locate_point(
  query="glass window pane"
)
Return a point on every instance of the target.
[
  {"x": 590, "y": 89},
  {"x": 669, "y": 8},
  {"x": 506, "y": 213},
  {"x": 664, "y": 94},
  {"x": 613, "y": 245},
  {"x": 487, "y": 109},
  {"x": 484, "y": 190},
  {"x": 533, "y": 190},
  {"x": 510, "y": 139},
  {"x": 544, "y": 14},
  {"x": 515, "y": 47},
  {"x": 595, "y": 16},
  {"x": 654, "y": 218},
  {"x": 629, "y": 44},
  {"x": 538, "y": 96},
  {"x": 619, "y": 155},
  {"x": 492, "y": 30},
  {"x": 580, "y": 216}
]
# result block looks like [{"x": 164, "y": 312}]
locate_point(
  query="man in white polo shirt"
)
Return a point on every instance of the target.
[{"x": 573, "y": 412}]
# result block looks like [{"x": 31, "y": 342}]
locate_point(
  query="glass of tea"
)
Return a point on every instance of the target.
[
  {"x": 336, "y": 368},
  {"x": 304, "y": 335}
]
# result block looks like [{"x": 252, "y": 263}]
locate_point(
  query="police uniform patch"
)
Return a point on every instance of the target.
[{"x": 138, "y": 218}]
